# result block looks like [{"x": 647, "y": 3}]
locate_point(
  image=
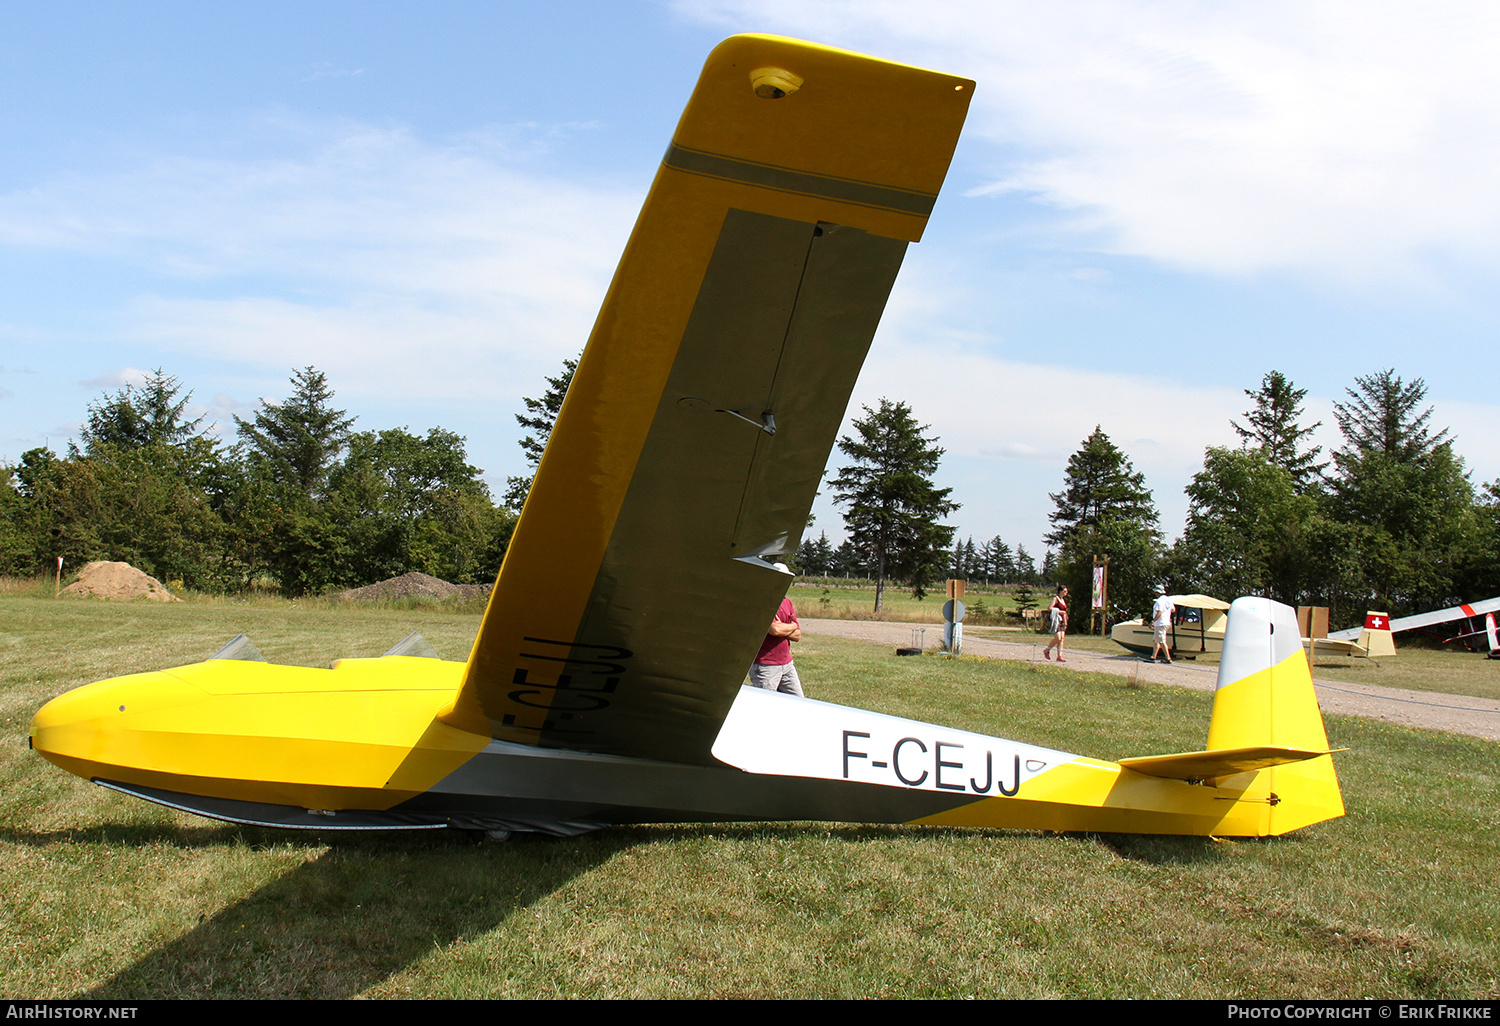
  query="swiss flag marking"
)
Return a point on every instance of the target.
[{"x": 1375, "y": 623}]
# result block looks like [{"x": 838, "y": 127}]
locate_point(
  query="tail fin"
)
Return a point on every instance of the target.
[
  {"x": 1265, "y": 697},
  {"x": 1376, "y": 637},
  {"x": 1489, "y": 633}
]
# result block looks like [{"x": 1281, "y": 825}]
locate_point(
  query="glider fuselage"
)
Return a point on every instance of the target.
[{"x": 361, "y": 746}]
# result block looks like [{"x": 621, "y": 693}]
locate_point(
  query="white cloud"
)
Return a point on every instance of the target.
[
  {"x": 363, "y": 207},
  {"x": 1352, "y": 140},
  {"x": 117, "y": 379},
  {"x": 381, "y": 344},
  {"x": 1006, "y": 409},
  {"x": 392, "y": 263}
]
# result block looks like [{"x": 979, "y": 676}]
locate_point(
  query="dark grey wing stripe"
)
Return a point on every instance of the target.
[{"x": 802, "y": 183}]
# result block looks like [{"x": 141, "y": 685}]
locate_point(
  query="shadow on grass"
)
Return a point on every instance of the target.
[
  {"x": 363, "y": 908},
  {"x": 352, "y": 915},
  {"x": 123, "y": 835},
  {"x": 369, "y": 906},
  {"x": 1163, "y": 850}
]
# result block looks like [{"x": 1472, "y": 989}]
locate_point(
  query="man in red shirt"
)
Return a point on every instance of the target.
[{"x": 773, "y": 668}]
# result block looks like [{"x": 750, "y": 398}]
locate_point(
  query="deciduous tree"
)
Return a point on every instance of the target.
[
  {"x": 1249, "y": 529},
  {"x": 421, "y": 507}
]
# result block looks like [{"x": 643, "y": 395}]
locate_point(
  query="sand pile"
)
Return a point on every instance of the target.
[
  {"x": 413, "y": 585},
  {"x": 118, "y": 582}
]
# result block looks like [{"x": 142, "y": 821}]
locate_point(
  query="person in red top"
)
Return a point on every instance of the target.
[
  {"x": 773, "y": 668},
  {"x": 1057, "y": 613}
]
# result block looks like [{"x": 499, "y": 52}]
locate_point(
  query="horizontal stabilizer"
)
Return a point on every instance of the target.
[
  {"x": 1317, "y": 647},
  {"x": 1224, "y": 762}
]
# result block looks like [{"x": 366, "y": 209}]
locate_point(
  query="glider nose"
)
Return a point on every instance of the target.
[{"x": 98, "y": 727}]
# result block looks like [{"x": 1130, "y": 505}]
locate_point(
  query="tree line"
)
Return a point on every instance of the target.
[
  {"x": 993, "y": 562},
  {"x": 299, "y": 499},
  {"x": 1389, "y": 520}
]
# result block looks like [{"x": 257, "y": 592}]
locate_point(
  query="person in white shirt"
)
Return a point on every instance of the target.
[{"x": 1161, "y": 622}]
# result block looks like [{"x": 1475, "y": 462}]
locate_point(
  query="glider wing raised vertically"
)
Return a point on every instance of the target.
[
  {"x": 605, "y": 683},
  {"x": 703, "y": 410}
]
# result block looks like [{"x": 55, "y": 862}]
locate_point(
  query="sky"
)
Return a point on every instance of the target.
[{"x": 1152, "y": 206}]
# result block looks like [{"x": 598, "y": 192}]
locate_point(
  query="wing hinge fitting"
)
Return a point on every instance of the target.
[{"x": 767, "y": 422}]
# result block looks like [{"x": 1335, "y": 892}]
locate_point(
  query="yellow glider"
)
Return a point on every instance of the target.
[{"x": 604, "y": 685}]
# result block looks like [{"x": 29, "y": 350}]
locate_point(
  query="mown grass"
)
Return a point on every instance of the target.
[
  {"x": 845, "y": 603},
  {"x": 108, "y": 897}
]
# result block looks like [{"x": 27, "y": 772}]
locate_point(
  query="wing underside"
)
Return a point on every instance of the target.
[{"x": 703, "y": 410}]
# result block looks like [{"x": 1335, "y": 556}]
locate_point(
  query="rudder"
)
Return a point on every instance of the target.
[{"x": 1265, "y": 697}]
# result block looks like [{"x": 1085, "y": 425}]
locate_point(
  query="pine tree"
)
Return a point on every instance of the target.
[
  {"x": 815, "y": 558},
  {"x": 1025, "y": 566},
  {"x": 1024, "y": 598},
  {"x": 298, "y": 442},
  {"x": 135, "y": 417},
  {"x": 1274, "y": 429},
  {"x": 1105, "y": 509},
  {"x": 849, "y": 560},
  {"x": 965, "y": 561},
  {"x": 999, "y": 562},
  {"x": 1101, "y": 488},
  {"x": 1381, "y": 417},
  {"x": 1403, "y": 499},
  {"x": 892, "y": 508},
  {"x": 543, "y": 415}
]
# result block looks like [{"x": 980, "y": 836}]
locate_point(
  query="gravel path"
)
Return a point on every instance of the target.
[{"x": 1457, "y": 714}]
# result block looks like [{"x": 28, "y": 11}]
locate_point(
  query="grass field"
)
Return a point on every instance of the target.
[
  {"x": 108, "y": 897},
  {"x": 844, "y": 603}
]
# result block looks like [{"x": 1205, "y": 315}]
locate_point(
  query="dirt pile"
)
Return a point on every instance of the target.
[
  {"x": 118, "y": 582},
  {"x": 413, "y": 585}
]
